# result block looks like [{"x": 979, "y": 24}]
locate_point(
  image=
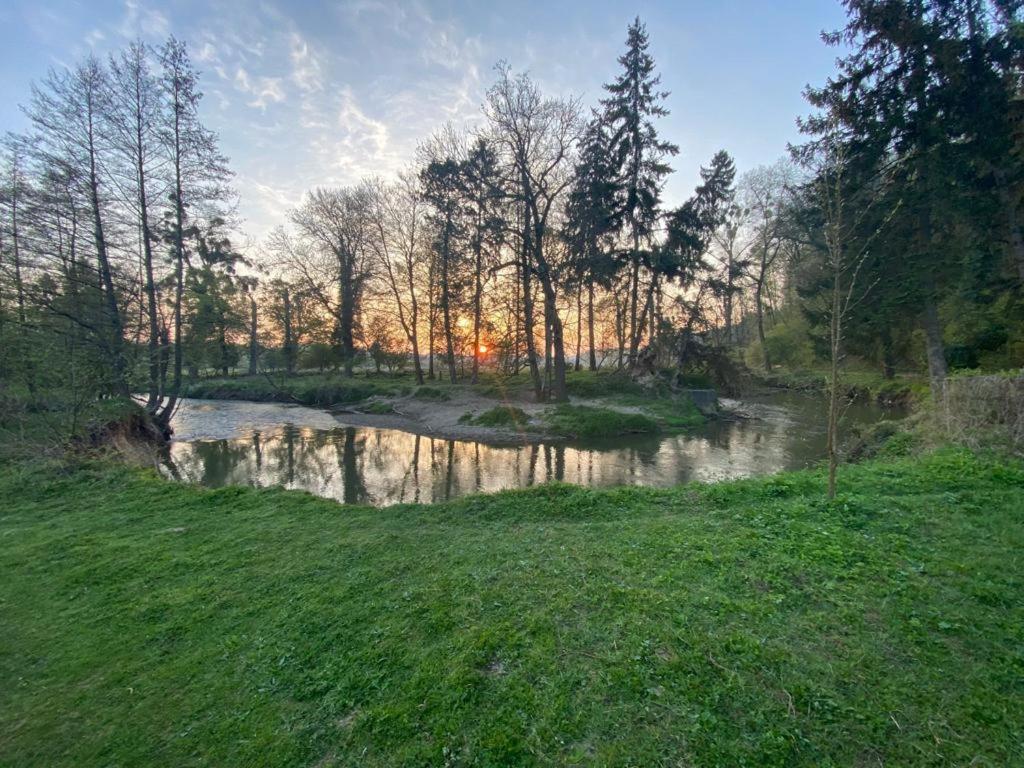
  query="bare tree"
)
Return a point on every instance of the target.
[
  {"x": 134, "y": 121},
  {"x": 399, "y": 244},
  {"x": 198, "y": 180},
  {"x": 536, "y": 136},
  {"x": 763, "y": 192}
]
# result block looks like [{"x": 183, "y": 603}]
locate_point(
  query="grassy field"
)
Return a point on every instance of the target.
[{"x": 746, "y": 623}]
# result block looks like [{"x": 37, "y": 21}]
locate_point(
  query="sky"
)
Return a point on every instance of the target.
[{"x": 304, "y": 94}]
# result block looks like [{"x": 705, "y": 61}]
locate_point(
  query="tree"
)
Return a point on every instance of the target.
[
  {"x": 442, "y": 189},
  {"x": 198, "y": 182},
  {"x": 399, "y": 228},
  {"x": 592, "y": 219},
  {"x": 764, "y": 191},
  {"x": 480, "y": 182},
  {"x": 634, "y": 102},
  {"x": 134, "y": 120},
  {"x": 332, "y": 257},
  {"x": 68, "y": 115},
  {"x": 535, "y": 138}
]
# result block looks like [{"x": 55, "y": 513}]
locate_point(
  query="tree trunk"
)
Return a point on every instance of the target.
[
  {"x": 634, "y": 298},
  {"x": 414, "y": 337},
  {"x": 579, "y": 331},
  {"x": 759, "y": 307},
  {"x": 835, "y": 331},
  {"x": 116, "y": 339},
  {"x": 179, "y": 274},
  {"x": 477, "y": 299},
  {"x": 347, "y": 312},
  {"x": 289, "y": 337},
  {"x": 446, "y": 307},
  {"x": 888, "y": 354},
  {"x": 528, "y": 331},
  {"x": 590, "y": 325},
  {"x": 934, "y": 347},
  {"x": 253, "y": 340}
]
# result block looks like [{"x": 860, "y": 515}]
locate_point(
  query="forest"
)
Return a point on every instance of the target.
[
  {"x": 626, "y": 480},
  {"x": 537, "y": 241}
]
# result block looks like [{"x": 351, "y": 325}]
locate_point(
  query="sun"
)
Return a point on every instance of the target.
[{"x": 483, "y": 349}]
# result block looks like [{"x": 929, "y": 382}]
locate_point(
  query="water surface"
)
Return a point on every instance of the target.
[{"x": 221, "y": 443}]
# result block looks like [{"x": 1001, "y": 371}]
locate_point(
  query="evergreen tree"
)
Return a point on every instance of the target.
[{"x": 638, "y": 154}]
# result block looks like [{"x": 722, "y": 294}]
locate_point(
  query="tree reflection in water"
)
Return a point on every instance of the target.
[{"x": 363, "y": 465}]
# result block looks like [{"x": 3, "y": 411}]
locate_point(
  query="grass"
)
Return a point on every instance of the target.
[
  {"x": 312, "y": 389},
  {"x": 745, "y": 623},
  {"x": 378, "y": 407},
  {"x": 499, "y": 416},
  {"x": 669, "y": 412},
  {"x": 585, "y": 421}
]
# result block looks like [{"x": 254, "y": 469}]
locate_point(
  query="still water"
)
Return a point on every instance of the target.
[{"x": 234, "y": 443}]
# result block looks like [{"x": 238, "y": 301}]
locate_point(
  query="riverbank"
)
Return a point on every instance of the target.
[
  {"x": 746, "y": 622},
  {"x": 902, "y": 391},
  {"x": 498, "y": 410}
]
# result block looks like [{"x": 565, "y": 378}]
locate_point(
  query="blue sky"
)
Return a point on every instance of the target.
[{"x": 305, "y": 93}]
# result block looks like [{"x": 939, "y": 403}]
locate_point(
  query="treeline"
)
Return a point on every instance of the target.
[
  {"x": 538, "y": 240},
  {"x": 116, "y": 205},
  {"x": 535, "y": 240},
  {"x": 910, "y": 222}
]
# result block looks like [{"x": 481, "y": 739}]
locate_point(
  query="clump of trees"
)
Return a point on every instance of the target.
[
  {"x": 114, "y": 241},
  {"x": 538, "y": 240}
]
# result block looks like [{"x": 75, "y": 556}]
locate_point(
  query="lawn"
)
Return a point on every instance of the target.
[{"x": 746, "y": 623}]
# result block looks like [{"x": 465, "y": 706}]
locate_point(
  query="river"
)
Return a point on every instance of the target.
[{"x": 220, "y": 443}]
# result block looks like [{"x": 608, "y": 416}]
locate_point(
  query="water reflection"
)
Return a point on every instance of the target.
[{"x": 267, "y": 444}]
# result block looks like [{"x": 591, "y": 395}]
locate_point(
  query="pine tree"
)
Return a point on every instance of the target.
[{"x": 633, "y": 104}]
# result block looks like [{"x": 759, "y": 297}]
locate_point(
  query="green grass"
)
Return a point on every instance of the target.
[
  {"x": 585, "y": 421},
  {"x": 430, "y": 392},
  {"x": 378, "y": 407},
  {"x": 312, "y": 389},
  {"x": 499, "y": 416},
  {"x": 746, "y": 623},
  {"x": 669, "y": 412},
  {"x": 592, "y": 384}
]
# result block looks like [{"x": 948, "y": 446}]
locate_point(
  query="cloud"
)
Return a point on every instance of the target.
[
  {"x": 307, "y": 67},
  {"x": 265, "y": 90},
  {"x": 140, "y": 21}
]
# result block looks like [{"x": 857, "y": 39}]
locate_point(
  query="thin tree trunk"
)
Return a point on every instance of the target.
[
  {"x": 289, "y": 337},
  {"x": 590, "y": 325},
  {"x": 835, "y": 331},
  {"x": 579, "y": 331},
  {"x": 254, "y": 347},
  {"x": 446, "y": 306},
  {"x": 759, "y": 308},
  {"x": 934, "y": 346},
  {"x": 531, "y": 351}
]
